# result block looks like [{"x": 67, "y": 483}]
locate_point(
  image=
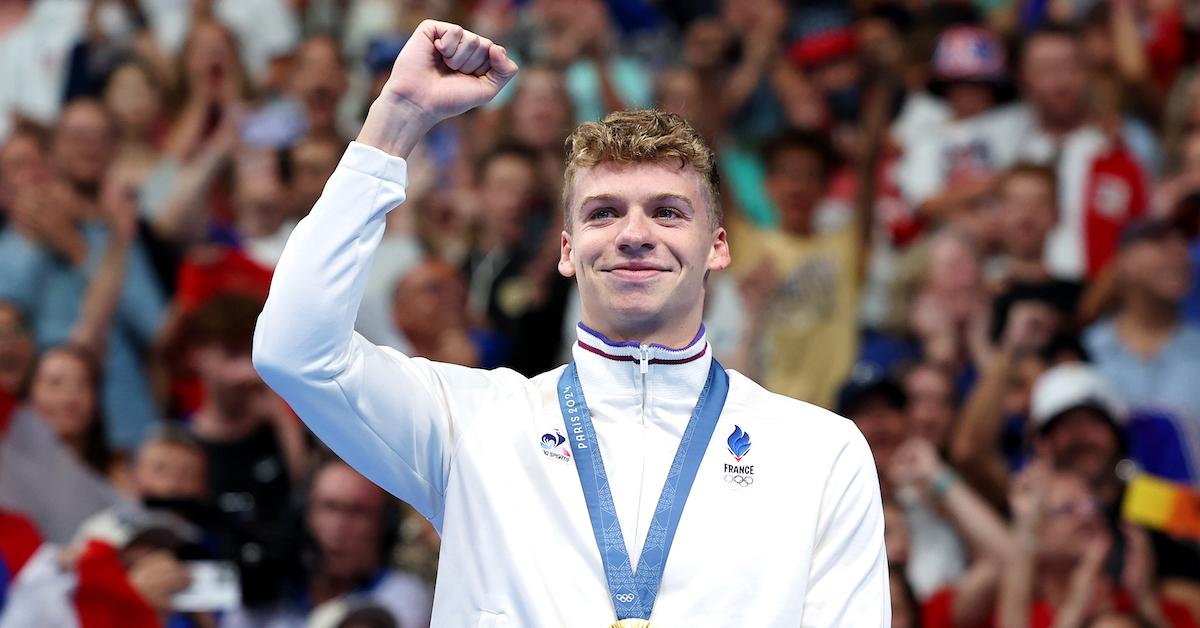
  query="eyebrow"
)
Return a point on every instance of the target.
[{"x": 661, "y": 196}]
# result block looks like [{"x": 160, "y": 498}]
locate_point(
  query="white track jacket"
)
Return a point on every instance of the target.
[{"x": 787, "y": 533}]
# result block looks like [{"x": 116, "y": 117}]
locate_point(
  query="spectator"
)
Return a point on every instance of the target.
[
  {"x": 1102, "y": 185},
  {"x": 998, "y": 406},
  {"x": 1079, "y": 427},
  {"x": 1028, "y": 199},
  {"x": 1056, "y": 573},
  {"x": 250, "y": 245},
  {"x": 1145, "y": 351},
  {"x": 954, "y": 537},
  {"x": 351, "y": 523},
  {"x": 949, "y": 165},
  {"x": 319, "y": 84},
  {"x": 430, "y": 310},
  {"x": 135, "y": 97},
  {"x": 64, "y": 391},
  {"x": 1019, "y": 272},
  {"x": 240, "y": 422},
  {"x": 60, "y": 230},
  {"x": 103, "y": 585},
  {"x": 875, "y": 402},
  {"x": 514, "y": 288},
  {"x": 212, "y": 84},
  {"x": 946, "y": 315},
  {"x": 539, "y": 116},
  {"x": 261, "y": 448},
  {"x": 932, "y": 406},
  {"x": 169, "y": 481},
  {"x": 814, "y": 302},
  {"x": 579, "y": 38},
  {"x": 22, "y": 162},
  {"x": 41, "y": 477},
  {"x": 16, "y": 352},
  {"x": 311, "y": 162}
]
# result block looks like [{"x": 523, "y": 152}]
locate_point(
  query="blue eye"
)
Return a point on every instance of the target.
[
  {"x": 666, "y": 212},
  {"x": 603, "y": 213}
]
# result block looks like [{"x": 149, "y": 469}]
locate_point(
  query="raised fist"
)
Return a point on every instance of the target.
[
  {"x": 445, "y": 70},
  {"x": 442, "y": 71}
]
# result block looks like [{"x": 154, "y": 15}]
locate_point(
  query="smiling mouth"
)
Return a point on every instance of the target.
[{"x": 635, "y": 273}]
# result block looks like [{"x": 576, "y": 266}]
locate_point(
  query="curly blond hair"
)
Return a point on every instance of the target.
[{"x": 642, "y": 136}]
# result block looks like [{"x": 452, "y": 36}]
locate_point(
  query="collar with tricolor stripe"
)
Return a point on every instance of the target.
[{"x": 631, "y": 351}]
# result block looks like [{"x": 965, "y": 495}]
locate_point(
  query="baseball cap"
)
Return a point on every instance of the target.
[
  {"x": 969, "y": 53},
  {"x": 869, "y": 380},
  {"x": 822, "y": 32},
  {"x": 1152, "y": 229},
  {"x": 1073, "y": 385}
]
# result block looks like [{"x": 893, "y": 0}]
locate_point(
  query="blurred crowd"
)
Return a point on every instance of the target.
[{"x": 970, "y": 226}]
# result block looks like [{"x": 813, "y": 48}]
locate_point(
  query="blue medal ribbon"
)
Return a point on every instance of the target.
[{"x": 633, "y": 593}]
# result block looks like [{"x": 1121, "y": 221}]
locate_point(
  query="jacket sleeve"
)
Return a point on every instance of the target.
[
  {"x": 848, "y": 577},
  {"x": 393, "y": 418}
]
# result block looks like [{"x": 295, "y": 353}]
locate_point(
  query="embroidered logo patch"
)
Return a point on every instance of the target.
[
  {"x": 739, "y": 445},
  {"x": 553, "y": 446}
]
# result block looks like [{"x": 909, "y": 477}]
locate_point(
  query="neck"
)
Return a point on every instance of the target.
[
  {"x": 1059, "y": 127},
  {"x": 1150, "y": 315},
  {"x": 1053, "y": 584},
  {"x": 1145, "y": 323},
  {"x": 675, "y": 337},
  {"x": 796, "y": 223},
  {"x": 1031, "y": 268},
  {"x": 325, "y": 586},
  {"x": 76, "y": 444},
  {"x": 214, "y": 424}
]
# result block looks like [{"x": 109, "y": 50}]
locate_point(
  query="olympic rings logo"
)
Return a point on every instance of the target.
[
  {"x": 626, "y": 598},
  {"x": 740, "y": 480}
]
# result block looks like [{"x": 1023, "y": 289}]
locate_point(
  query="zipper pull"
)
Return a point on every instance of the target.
[{"x": 645, "y": 362}]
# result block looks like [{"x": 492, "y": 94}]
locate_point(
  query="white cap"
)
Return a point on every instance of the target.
[{"x": 1072, "y": 385}]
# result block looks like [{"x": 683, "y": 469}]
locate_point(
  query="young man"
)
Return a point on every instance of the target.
[
  {"x": 1149, "y": 355},
  {"x": 783, "y": 524},
  {"x": 808, "y": 337},
  {"x": 1020, "y": 273}
]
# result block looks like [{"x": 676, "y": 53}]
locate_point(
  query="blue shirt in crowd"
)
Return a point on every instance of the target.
[
  {"x": 1163, "y": 397},
  {"x": 49, "y": 290}
]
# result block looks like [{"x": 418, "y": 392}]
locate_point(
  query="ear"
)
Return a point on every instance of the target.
[
  {"x": 718, "y": 256},
  {"x": 566, "y": 261}
]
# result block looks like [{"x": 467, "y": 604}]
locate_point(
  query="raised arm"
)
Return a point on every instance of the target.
[
  {"x": 390, "y": 416},
  {"x": 104, "y": 287}
]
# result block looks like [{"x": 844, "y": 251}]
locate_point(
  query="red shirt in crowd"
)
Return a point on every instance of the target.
[{"x": 937, "y": 612}]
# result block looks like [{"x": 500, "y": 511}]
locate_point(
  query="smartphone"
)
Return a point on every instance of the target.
[{"x": 215, "y": 587}]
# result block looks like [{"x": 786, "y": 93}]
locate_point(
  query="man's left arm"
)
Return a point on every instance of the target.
[{"x": 848, "y": 576}]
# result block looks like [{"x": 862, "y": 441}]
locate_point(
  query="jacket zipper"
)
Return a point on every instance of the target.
[
  {"x": 644, "y": 353},
  {"x": 644, "y": 368}
]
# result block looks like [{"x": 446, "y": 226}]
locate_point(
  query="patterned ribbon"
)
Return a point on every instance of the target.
[{"x": 633, "y": 593}]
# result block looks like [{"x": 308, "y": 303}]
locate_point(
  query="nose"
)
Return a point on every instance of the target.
[{"x": 635, "y": 232}]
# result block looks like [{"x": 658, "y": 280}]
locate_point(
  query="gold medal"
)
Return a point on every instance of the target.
[{"x": 631, "y": 623}]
